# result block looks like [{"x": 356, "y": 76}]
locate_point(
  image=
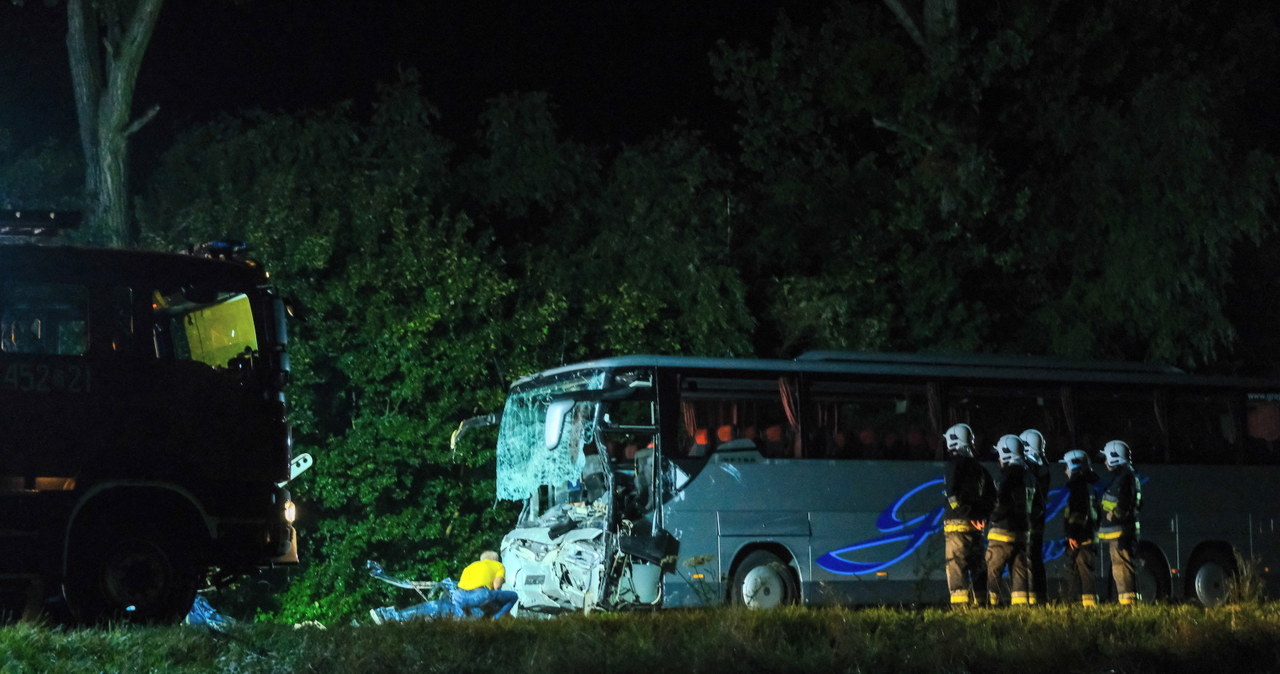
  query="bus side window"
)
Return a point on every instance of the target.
[
  {"x": 1130, "y": 416},
  {"x": 856, "y": 420},
  {"x": 996, "y": 411},
  {"x": 1201, "y": 430},
  {"x": 1262, "y": 432},
  {"x": 725, "y": 415}
]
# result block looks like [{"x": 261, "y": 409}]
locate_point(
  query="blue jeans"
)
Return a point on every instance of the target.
[
  {"x": 495, "y": 603},
  {"x": 432, "y": 609}
]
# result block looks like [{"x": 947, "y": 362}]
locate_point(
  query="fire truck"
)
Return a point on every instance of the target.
[{"x": 145, "y": 447}]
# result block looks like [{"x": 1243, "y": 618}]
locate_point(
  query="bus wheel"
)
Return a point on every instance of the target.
[
  {"x": 763, "y": 580},
  {"x": 130, "y": 576},
  {"x": 1207, "y": 582},
  {"x": 1153, "y": 576}
]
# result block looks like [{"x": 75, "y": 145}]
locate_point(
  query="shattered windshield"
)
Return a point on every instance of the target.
[{"x": 524, "y": 462}]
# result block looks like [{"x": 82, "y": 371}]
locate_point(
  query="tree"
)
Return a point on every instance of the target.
[
  {"x": 1015, "y": 178},
  {"x": 106, "y": 41},
  {"x": 405, "y": 316},
  {"x": 41, "y": 175},
  {"x": 636, "y": 243}
]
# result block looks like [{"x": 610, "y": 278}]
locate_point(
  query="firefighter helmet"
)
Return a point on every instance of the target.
[
  {"x": 960, "y": 439},
  {"x": 1033, "y": 446},
  {"x": 1010, "y": 450},
  {"x": 1116, "y": 453},
  {"x": 1077, "y": 461}
]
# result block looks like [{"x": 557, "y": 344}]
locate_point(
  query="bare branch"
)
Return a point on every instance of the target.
[
  {"x": 902, "y": 131},
  {"x": 904, "y": 18},
  {"x": 141, "y": 121}
]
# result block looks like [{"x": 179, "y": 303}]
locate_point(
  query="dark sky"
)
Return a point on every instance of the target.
[{"x": 617, "y": 70}]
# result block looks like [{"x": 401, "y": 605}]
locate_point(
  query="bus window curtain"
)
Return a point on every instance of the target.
[
  {"x": 690, "y": 418},
  {"x": 933, "y": 396},
  {"x": 791, "y": 406},
  {"x": 1069, "y": 411},
  {"x": 1161, "y": 402}
]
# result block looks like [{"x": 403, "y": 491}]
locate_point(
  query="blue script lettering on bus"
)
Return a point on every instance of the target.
[{"x": 911, "y": 534}]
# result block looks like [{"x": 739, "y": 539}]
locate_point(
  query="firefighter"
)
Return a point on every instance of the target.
[
  {"x": 1037, "y": 477},
  {"x": 1007, "y": 527},
  {"x": 970, "y": 493},
  {"x": 1119, "y": 527},
  {"x": 1080, "y": 524}
]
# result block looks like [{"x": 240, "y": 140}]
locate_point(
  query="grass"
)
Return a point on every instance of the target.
[{"x": 1163, "y": 639}]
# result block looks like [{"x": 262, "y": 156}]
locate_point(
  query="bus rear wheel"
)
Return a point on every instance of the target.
[
  {"x": 762, "y": 580},
  {"x": 1208, "y": 581}
]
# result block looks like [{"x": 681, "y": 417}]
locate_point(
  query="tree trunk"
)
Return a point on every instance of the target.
[{"x": 104, "y": 71}]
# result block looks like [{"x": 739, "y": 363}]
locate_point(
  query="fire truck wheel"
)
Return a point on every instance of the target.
[{"x": 127, "y": 575}]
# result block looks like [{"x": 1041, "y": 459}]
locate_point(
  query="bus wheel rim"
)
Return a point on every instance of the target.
[
  {"x": 1211, "y": 583},
  {"x": 762, "y": 587}
]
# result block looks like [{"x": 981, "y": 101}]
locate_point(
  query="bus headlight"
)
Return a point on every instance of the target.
[{"x": 290, "y": 512}]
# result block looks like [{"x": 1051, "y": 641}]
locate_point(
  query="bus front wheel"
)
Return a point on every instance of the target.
[
  {"x": 1153, "y": 575},
  {"x": 762, "y": 580}
]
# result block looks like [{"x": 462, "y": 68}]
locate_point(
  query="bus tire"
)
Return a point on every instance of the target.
[
  {"x": 1154, "y": 583},
  {"x": 1208, "y": 581},
  {"x": 133, "y": 574},
  {"x": 762, "y": 580}
]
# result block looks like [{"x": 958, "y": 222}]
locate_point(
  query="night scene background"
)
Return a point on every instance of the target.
[{"x": 464, "y": 193}]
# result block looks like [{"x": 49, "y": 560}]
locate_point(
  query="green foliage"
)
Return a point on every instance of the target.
[
  {"x": 416, "y": 318},
  {"x": 633, "y": 251},
  {"x": 1028, "y": 183},
  {"x": 41, "y": 175},
  {"x": 405, "y": 317}
]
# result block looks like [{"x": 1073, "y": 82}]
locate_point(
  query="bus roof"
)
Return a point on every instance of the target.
[{"x": 926, "y": 366}]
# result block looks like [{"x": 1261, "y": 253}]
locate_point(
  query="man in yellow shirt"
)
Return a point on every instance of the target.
[
  {"x": 480, "y": 587},
  {"x": 479, "y": 593}
]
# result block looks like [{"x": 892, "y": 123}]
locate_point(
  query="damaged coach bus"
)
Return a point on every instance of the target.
[
  {"x": 652, "y": 481},
  {"x": 144, "y": 444}
]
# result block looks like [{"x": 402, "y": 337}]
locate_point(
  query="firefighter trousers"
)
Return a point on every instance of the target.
[
  {"x": 1081, "y": 573},
  {"x": 1039, "y": 587},
  {"x": 966, "y": 574},
  {"x": 1010, "y": 554},
  {"x": 1124, "y": 550}
]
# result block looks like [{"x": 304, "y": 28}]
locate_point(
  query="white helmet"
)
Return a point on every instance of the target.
[
  {"x": 1076, "y": 461},
  {"x": 960, "y": 439},
  {"x": 1116, "y": 453},
  {"x": 1033, "y": 445},
  {"x": 1010, "y": 450}
]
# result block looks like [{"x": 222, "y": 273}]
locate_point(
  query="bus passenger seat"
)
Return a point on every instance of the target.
[
  {"x": 917, "y": 449},
  {"x": 838, "y": 445},
  {"x": 701, "y": 444},
  {"x": 728, "y": 440},
  {"x": 774, "y": 443},
  {"x": 868, "y": 444}
]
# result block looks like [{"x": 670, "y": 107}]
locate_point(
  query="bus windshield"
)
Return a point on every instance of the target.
[{"x": 524, "y": 461}]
